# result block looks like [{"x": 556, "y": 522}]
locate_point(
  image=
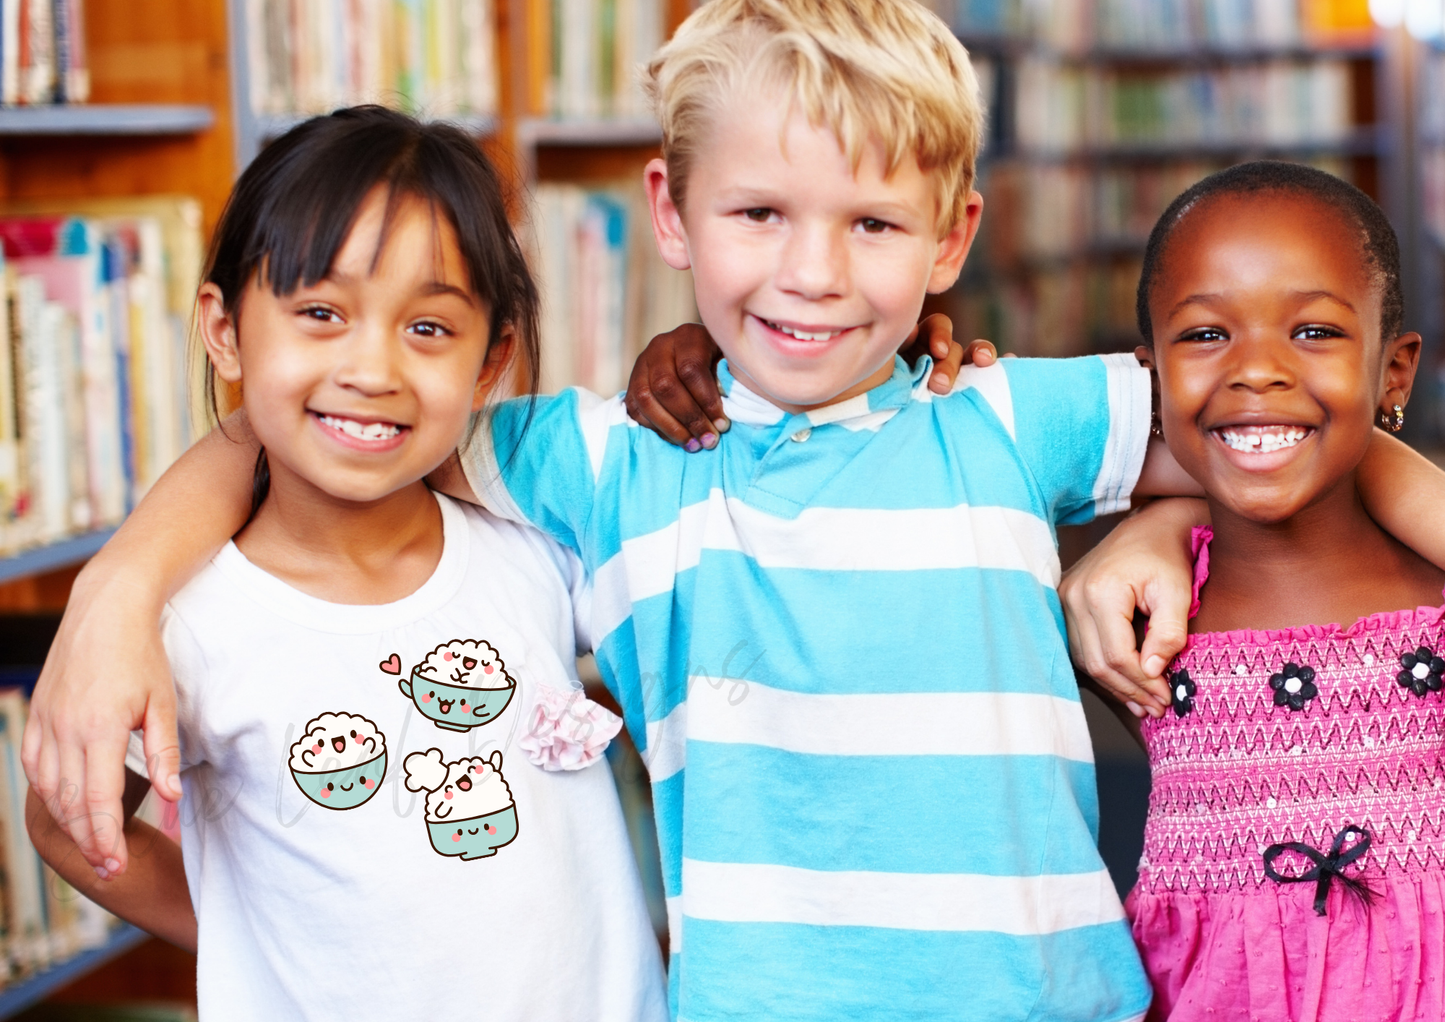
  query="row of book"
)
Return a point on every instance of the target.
[
  {"x": 1075, "y": 26},
  {"x": 584, "y": 58},
  {"x": 1060, "y": 310},
  {"x": 42, "y": 52},
  {"x": 45, "y": 920},
  {"x": 433, "y": 57},
  {"x": 94, "y": 395},
  {"x": 1049, "y": 211},
  {"x": 1062, "y": 107},
  {"x": 605, "y": 290}
]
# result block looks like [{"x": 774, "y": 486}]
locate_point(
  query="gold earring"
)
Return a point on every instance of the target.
[{"x": 1394, "y": 423}]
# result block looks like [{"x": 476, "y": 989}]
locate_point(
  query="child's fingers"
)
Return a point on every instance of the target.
[
  {"x": 1106, "y": 652},
  {"x": 981, "y": 353},
  {"x": 1168, "y": 609},
  {"x": 102, "y": 788},
  {"x": 162, "y": 745},
  {"x": 946, "y": 369}
]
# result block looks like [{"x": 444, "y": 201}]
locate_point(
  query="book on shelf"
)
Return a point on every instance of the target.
[
  {"x": 42, "y": 52},
  {"x": 92, "y": 359},
  {"x": 45, "y": 920},
  {"x": 436, "y": 58},
  {"x": 605, "y": 290},
  {"x": 584, "y": 58}
]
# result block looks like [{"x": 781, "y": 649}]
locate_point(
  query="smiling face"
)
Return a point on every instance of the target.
[
  {"x": 362, "y": 383},
  {"x": 807, "y": 274},
  {"x": 1272, "y": 371}
]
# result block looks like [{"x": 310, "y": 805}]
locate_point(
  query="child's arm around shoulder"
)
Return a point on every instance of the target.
[
  {"x": 153, "y": 893},
  {"x": 1404, "y": 492},
  {"x": 106, "y": 673}
]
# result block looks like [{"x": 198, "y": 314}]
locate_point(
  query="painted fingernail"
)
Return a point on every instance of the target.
[
  {"x": 1135, "y": 708},
  {"x": 709, "y": 440},
  {"x": 112, "y": 865},
  {"x": 101, "y": 872},
  {"x": 1154, "y": 666},
  {"x": 723, "y": 425},
  {"x": 692, "y": 446}
]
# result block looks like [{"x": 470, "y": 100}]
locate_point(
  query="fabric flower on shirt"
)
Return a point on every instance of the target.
[
  {"x": 566, "y": 730},
  {"x": 1182, "y": 689},
  {"x": 1423, "y": 671},
  {"x": 1294, "y": 686}
]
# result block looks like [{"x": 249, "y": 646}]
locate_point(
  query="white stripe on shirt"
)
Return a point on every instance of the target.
[
  {"x": 992, "y": 384},
  {"x": 961, "y": 902},
  {"x": 824, "y": 539},
  {"x": 738, "y": 712},
  {"x": 1130, "y": 399}
]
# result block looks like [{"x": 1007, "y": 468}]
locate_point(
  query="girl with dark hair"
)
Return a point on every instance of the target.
[
  {"x": 1294, "y": 857},
  {"x": 395, "y": 804}
]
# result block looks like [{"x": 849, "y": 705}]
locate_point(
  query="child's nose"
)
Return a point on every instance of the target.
[
  {"x": 369, "y": 362},
  {"x": 1262, "y": 364},
  {"x": 814, "y": 262}
]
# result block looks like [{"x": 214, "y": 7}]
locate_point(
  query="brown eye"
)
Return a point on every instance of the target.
[{"x": 330, "y": 786}]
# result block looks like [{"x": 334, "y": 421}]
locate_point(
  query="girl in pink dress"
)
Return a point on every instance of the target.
[{"x": 1292, "y": 865}]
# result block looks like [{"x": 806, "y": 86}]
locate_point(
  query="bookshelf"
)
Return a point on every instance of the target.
[{"x": 19, "y": 996}]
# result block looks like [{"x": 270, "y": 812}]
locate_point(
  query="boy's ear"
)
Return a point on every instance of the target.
[
  {"x": 666, "y": 217},
  {"x": 1145, "y": 356},
  {"x": 955, "y": 245},
  {"x": 1402, "y": 358},
  {"x": 218, "y": 333},
  {"x": 499, "y": 357}
]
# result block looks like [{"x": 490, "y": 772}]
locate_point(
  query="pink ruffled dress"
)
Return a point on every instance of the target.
[{"x": 1294, "y": 855}]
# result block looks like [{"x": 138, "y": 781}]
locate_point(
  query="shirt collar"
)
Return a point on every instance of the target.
[{"x": 742, "y": 405}]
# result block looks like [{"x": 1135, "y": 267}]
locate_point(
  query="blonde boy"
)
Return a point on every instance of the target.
[{"x": 866, "y": 810}]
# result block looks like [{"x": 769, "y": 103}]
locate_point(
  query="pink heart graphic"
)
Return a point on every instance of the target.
[{"x": 391, "y": 665}]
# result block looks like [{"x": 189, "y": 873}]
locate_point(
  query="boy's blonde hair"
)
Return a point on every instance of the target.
[{"x": 884, "y": 70}]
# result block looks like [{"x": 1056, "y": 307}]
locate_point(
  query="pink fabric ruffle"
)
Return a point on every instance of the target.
[
  {"x": 566, "y": 730},
  {"x": 1267, "y": 957},
  {"x": 1199, "y": 538}
]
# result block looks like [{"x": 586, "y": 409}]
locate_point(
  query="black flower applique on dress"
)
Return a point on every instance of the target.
[
  {"x": 1294, "y": 686},
  {"x": 1182, "y": 689},
  {"x": 1423, "y": 671}
]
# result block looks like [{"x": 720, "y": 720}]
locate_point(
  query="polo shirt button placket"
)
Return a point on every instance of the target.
[{"x": 801, "y": 435}]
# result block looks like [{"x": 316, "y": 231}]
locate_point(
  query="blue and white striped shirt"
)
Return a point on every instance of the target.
[{"x": 838, "y": 643}]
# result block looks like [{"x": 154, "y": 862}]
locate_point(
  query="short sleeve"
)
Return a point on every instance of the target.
[
  {"x": 1081, "y": 426},
  {"x": 537, "y": 460},
  {"x": 188, "y": 672}
]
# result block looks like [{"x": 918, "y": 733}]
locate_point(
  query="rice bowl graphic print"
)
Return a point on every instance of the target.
[
  {"x": 340, "y": 760},
  {"x": 460, "y": 685}
]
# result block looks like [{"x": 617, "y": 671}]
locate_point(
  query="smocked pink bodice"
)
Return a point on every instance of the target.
[{"x": 1237, "y": 772}]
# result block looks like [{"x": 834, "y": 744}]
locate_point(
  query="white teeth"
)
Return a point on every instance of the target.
[
  {"x": 804, "y": 335},
  {"x": 1265, "y": 441},
  {"x": 369, "y": 431}
]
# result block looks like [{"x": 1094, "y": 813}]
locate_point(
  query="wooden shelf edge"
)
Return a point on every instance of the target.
[
  {"x": 272, "y": 126},
  {"x": 52, "y": 556},
  {"x": 535, "y": 131},
  {"x": 106, "y": 119},
  {"x": 19, "y": 996}
]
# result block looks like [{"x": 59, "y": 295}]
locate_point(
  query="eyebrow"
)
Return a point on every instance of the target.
[
  {"x": 431, "y": 287},
  {"x": 1211, "y": 297}
]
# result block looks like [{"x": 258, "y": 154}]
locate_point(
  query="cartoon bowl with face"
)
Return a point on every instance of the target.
[
  {"x": 340, "y": 761},
  {"x": 460, "y": 685},
  {"x": 469, "y": 807}
]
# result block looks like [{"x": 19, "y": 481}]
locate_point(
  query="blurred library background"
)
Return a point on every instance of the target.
[{"x": 122, "y": 127}]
